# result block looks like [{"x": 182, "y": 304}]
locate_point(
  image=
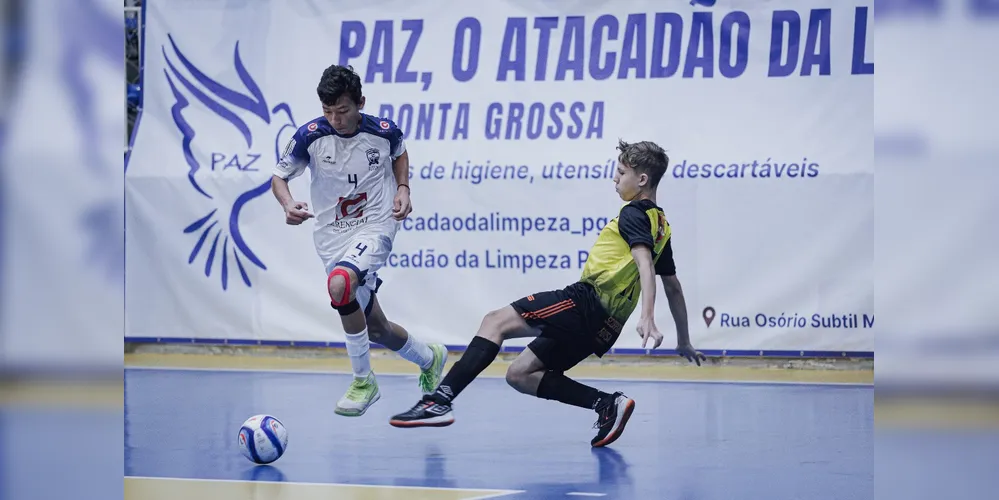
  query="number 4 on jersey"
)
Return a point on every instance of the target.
[{"x": 352, "y": 178}]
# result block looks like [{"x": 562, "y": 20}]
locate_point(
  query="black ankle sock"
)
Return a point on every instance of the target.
[
  {"x": 479, "y": 354},
  {"x": 558, "y": 387}
]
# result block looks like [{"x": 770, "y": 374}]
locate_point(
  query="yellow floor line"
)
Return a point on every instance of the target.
[
  {"x": 612, "y": 370},
  {"x": 198, "y": 489}
]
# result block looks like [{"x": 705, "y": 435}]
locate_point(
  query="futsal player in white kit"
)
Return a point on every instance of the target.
[{"x": 360, "y": 193}]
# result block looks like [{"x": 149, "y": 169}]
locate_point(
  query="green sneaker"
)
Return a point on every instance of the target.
[
  {"x": 360, "y": 396},
  {"x": 431, "y": 377}
]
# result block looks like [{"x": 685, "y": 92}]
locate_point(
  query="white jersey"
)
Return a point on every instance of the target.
[{"x": 353, "y": 184}]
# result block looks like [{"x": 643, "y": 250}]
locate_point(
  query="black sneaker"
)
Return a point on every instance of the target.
[
  {"x": 427, "y": 413},
  {"x": 613, "y": 415}
]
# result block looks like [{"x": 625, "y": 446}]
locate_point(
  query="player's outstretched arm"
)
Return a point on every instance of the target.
[
  {"x": 647, "y": 278},
  {"x": 678, "y": 308},
  {"x": 402, "y": 204},
  {"x": 295, "y": 212},
  {"x": 292, "y": 164},
  {"x": 281, "y": 191}
]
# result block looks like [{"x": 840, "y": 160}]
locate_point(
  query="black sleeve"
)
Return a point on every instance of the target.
[
  {"x": 665, "y": 265},
  {"x": 634, "y": 226}
]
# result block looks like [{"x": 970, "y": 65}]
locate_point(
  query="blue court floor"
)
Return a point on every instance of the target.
[{"x": 686, "y": 440}]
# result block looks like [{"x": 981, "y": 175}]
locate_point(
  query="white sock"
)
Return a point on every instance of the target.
[
  {"x": 357, "y": 349},
  {"x": 417, "y": 352}
]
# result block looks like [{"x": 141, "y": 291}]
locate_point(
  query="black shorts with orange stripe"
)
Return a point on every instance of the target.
[{"x": 573, "y": 325}]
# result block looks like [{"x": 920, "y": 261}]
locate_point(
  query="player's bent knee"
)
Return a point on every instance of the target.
[
  {"x": 513, "y": 376},
  {"x": 340, "y": 283},
  {"x": 500, "y": 324},
  {"x": 342, "y": 295},
  {"x": 518, "y": 377}
]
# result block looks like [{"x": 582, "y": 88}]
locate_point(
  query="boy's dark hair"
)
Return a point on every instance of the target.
[
  {"x": 646, "y": 157},
  {"x": 336, "y": 81}
]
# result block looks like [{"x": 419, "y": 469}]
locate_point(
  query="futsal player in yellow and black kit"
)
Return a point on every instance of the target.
[{"x": 585, "y": 317}]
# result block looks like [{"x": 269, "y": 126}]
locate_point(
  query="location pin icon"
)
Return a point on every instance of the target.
[{"x": 708, "y": 314}]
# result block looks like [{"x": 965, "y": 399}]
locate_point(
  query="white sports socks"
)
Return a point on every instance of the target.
[
  {"x": 417, "y": 352},
  {"x": 357, "y": 349}
]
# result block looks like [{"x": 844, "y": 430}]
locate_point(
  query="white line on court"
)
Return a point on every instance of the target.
[
  {"x": 409, "y": 375},
  {"x": 584, "y": 494},
  {"x": 496, "y": 495},
  {"x": 489, "y": 492}
]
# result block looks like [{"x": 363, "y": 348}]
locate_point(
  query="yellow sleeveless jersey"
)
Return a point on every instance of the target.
[{"x": 611, "y": 269}]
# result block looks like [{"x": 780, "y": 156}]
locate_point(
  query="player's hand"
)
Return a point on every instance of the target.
[
  {"x": 647, "y": 330},
  {"x": 296, "y": 213},
  {"x": 692, "y": 355},
  {"x": 402, "y": 206}
]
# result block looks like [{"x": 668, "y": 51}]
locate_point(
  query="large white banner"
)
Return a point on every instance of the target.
[{"x": 511, "y": 111}]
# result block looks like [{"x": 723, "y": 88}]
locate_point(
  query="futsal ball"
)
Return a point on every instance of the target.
[{"x": 262, "y": 439}]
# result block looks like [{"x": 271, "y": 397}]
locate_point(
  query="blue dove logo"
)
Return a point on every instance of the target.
[{"x": 228, "y": 171}]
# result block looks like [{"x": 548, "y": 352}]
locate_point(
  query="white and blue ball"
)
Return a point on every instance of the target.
[{"x": 262, "y": 439}]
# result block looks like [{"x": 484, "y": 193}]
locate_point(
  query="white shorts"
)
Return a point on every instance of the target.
[{"x": 364, "y": 250}]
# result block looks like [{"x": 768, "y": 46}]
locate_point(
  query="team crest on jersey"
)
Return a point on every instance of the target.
[{"x": 374, "y": 156}]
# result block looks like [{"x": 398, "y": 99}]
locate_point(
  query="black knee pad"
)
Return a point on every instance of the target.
[{"x": 347, "y": 308}]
